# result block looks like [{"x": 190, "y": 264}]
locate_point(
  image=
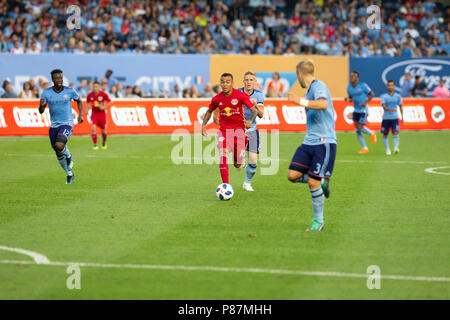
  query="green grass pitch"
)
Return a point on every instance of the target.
[{"x": 131, "y": 205}]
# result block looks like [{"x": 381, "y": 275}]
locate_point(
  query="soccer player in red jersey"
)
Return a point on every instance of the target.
[
  {"x": 97, "y": 102},
  {"x": 232, "y": 138}
]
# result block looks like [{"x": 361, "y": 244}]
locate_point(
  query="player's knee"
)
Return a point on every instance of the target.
[
  {"x": 313, "y": 183},
  {"x": 292, "y": 176},
  {"x": 59, "y": 146}
]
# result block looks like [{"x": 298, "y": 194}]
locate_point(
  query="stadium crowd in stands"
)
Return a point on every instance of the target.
[
  {"x": 267, "y": 27},
  {"x": 329, "y": 27}
]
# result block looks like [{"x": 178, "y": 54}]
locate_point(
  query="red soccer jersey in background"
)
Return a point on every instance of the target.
[
  {"x": 231, "y": 109},
  {"x": 96, "y": 100}
]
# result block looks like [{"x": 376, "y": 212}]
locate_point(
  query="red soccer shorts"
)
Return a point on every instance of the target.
[
  {"x": 234, "y": 141},
  {"x": 99, "y": 119}
]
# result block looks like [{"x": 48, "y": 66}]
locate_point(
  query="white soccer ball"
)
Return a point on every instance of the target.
[{"x": 224, "y": 191}]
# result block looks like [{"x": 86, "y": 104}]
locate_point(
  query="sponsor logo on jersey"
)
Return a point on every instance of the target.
[
  {"x": 172, "y": 116},
  {"x": 294, "y": 115},
  {"x": 2, "y": 119},
  {"x": 227, "y": 111},
  {"x": 129, "y": 117},
  {"x": 438, "y": 114}
]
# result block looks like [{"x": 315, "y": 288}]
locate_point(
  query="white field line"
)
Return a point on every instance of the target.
[
  {"x": 433, "y": 170},
  {"x": 37, "y": 257},
  {"x": 102, "y": 156},
  {"x": 238, "y": 270}
]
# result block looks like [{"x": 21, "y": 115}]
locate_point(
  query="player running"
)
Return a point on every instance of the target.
[
  {"x": 257, "y": 97},
  {"x": 59, "y": 99},
  {"x": 360, "y": 93},
  {"x": 97, "y": 102},
  {"x": 313, "y": 161},
  {"x": 232, "y": 137},
  {"x": 390, "y": 102}
]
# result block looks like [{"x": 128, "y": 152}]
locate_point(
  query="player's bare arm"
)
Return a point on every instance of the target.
[
  {"x": 80, "y": 110},
  {"x": 349, "y": 98},
  {"x": 320, "y": 104},
  {"x": 260, "y": 109},
  {"x": 216, "y": 116},
  {"x": 205, "y": 121},
  {"x": 104, "y": 106},
  {"x": 252, "y": 117},
  {"x": 42, "y": 105}
]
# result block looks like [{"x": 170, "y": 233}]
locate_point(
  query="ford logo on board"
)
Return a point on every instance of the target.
[{"x": 429, "y": 70}]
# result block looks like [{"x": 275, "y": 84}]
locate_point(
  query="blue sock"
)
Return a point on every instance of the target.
[
  {"x": 63, "y": 162},
  {"x": 66, "y": 152},
  {"x": 251, "y": 169},
  {"x": 386, "y": 142},
  {"x": 318, "y": 200},
  {"x": 303, "y": 178},
  {"x": 396, "y": 141},
  {"x": 360, "y": 137},
  {"x": 367, "y": 131}
]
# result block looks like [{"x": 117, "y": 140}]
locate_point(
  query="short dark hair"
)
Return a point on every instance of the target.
[
  {"x": 417, "y": 77},
  {"x": 390, "y": 81},
  {"x": 355, "y": 72},
  {"x": 56, "y": 71},
  {"x": 226, "y": 74},
  {"x": 96, "y": 82}
]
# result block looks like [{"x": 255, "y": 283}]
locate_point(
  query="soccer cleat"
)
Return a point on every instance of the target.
[
  {"x": 95, "y": 147},
  {"x": 388, "y": 152},
  {"x": 70, "y": 162},
  {"x": 247, "y": 186},
  {"x": 397, "y": 151},
  {"x": 325, "y": 184},
  {"x": 363, "y": 150},
  {"x": 104, "y": 147},
  {"x": 373, "y": 137},
  {"x": 316, "y": 226},
  {"x": 70, "y": 179}
]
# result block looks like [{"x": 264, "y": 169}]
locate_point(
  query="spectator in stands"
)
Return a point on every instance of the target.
[
  {"x": 110, "y": 80},
  {"x": 26, "y": 92},
  {"x": 113, "y": 92},
  {"x": 420, "y": 89},
  {"x": 207, "y": 91},
  {"x": 129, "y": 93},
  {"x": 441, "y": 91},
  {"x": 137, "y": 91},
  {"x": 407, "y": 86},
  {"x": 276, "y": 85},
  {"x": 35, "y": 92},
  {"x": 83, "y": 89},
  {"x": 9, "y": 92},
  {"x": 270, "y": 93}
]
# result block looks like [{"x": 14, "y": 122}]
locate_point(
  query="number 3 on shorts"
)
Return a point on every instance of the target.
[{"x": 317, "y": 169}]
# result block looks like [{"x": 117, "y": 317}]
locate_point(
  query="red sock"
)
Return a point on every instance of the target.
[
  {"x": 94, "y": 138},
  {"x": 104, "y": 137},
  {"x": 224, "y": 168}
]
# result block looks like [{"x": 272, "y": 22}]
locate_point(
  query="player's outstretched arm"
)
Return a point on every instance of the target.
[
  {"x": 42, "y": 105},
  {"x": 216, "y": 117},
  {"x": 80, "y": 110},
  {"x": 205, "y": 121},
  {"x": 320, "y": 104},
  {"x": 252, "y": 117}
]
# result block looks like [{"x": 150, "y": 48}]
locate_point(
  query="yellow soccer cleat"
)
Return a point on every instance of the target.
[
  {"x": 95, "y": 147},
  {"x": 104, "y": 147}
]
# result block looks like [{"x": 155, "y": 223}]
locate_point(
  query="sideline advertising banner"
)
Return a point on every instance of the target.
[{"x": 144, "y": 116}]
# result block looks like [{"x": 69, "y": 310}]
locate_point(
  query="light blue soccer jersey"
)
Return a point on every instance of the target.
[
  {"x": 60, "y": 105},
  {"x": 259, "y": 96},
  {"x": 319, "y": 123},
  {"x": 359, "y": 95},
  {"x": 392, "y": 102}
]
